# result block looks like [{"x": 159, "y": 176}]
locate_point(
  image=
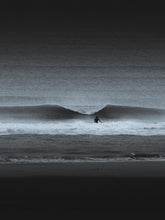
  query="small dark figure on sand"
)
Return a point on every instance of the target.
[{"x": 97, "y": 120}]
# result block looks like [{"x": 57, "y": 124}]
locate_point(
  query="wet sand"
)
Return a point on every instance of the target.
[
  {"x": 114, "y": 169},
  {"x": 83, "y": 190}
]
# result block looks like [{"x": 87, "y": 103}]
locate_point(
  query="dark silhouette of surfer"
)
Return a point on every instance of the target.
[{"x": 96, "y": 120}]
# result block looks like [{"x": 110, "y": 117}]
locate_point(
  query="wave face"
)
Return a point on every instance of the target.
[
  {"x": 54, "y": 119},
  {"x": 128, "y": 112},
  {"x": 42, "y": 112}
]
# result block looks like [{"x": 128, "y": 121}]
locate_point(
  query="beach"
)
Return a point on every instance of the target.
[{"x": 114, "y": 189}]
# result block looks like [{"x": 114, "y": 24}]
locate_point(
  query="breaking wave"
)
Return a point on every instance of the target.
[
  {"x": 54, "y": 119},
  {"x": 55, "y": 112},
  {"x": 128, "y": 112}
]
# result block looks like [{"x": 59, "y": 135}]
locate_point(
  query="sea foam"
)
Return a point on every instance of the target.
[{"x": 76, "y": 127}]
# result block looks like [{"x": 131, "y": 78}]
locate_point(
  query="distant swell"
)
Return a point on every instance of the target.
[{"x": 55, "y": 112}]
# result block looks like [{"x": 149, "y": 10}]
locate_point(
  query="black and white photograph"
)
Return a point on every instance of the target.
[{"x": 82, "y": 110}]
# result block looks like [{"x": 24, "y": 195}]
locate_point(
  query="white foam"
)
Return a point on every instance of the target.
[{"x": 76, "y": 127}]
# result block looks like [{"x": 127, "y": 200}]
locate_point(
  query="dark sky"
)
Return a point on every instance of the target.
[
  {"x": 118, "y": 25},
  {"x": 86, "y": 19},
  {"x": 137, "y": 28},
  {"x": 83, "y": 32}
]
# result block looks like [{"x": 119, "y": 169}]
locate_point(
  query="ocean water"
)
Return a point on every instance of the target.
[
  {"x": 32, "y": 148},
  {"x": 56, "y": 134}
]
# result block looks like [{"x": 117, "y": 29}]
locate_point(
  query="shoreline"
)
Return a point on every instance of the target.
[{"x": 100, "y": 169}]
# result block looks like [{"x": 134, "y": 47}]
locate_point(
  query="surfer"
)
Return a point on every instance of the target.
[{"x": 96, "y": 120}]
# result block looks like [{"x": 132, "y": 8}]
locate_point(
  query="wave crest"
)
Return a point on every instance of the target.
[{"x": 56, "y": 112}]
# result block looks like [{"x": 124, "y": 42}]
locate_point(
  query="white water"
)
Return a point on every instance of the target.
[{"x": 76, "y": 127}]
